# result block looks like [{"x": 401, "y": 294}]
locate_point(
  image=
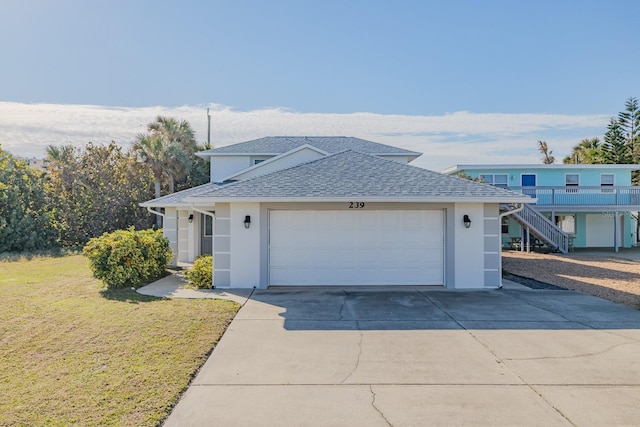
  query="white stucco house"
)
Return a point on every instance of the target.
[{"x": 323, "y": 211}]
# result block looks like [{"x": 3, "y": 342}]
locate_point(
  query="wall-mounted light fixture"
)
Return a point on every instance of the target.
[
  {"x": 247, "y": 221},
  {"x": 466, "y": 221},
  {"x": 191, "y": 218}
]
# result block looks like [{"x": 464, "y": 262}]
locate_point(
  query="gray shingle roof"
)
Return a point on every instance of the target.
[
  {"x": 351, "y": 174},
  {"x": 330, "y": 144},
  {"x": 177, "y": 199}
]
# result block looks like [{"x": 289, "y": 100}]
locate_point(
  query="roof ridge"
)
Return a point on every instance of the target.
[{"x": 350, "y": 173}]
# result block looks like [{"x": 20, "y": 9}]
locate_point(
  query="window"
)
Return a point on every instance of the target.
[
  {"x": 572, "y": 180},
  {"x": 487, "y": 179},
  {"x": 499, "y": 180},
  {"x": 607, "y": 180},
  {"x": 566, "y": 223},
  {"x": 208, "y": 226},
  {"x": 505, "y": 225}
]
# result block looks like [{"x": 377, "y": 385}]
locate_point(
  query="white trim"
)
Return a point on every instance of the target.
[
  {"x": 433, "y": 199},
  {"x": 458, "y": 168}
]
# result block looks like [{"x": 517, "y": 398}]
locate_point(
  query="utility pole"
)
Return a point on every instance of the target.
[{"x": 208, "y": 129}]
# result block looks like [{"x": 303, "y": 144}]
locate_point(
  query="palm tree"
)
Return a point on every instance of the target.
[
  {"x": 57, "y": 156},
  {"x": 151, "y": 150},
  {"x": 544, "y": 149},
  {"x": 174, "y": 131},
  {"x": 587, "y": 151},
  {"x": 58, "y": 159}
]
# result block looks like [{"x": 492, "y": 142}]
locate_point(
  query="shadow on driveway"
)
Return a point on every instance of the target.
[{"x": 437, "y": 309}]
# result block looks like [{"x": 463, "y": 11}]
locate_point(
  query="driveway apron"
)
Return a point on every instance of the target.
[{"x": 420, "y": 356}]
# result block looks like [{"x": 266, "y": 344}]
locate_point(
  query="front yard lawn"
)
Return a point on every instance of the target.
[{"x": 72, "y": 353}]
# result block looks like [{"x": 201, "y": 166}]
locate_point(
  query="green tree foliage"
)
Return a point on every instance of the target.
[
  {"x": 616, "y": 149},
  {"x": 26, "y": 222},
  {"x": 128, "y": 257},
  {"x": 588, "y": 151},
  {"x": 621, "y": 144},
  {"x": 629, "y": 122},
  {"x": 96, "y": 190},
  {"x": 169, "y": 149}
]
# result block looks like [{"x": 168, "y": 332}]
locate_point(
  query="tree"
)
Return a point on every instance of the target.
[
  {"x": 621, "y": 144},
  {"x": 616, "y": 149},
  {"x": 174, "y": 131},
  {"x": 169, "y": 149},
  {"x": 587, "y": 151},
  {"x": 547, "y": 158},
  {"x": 629, "y": 122},
  {"x": 151, "y": 150},
  {"x": 97, "y": 190},
  {"x": 26, "y": 221}
]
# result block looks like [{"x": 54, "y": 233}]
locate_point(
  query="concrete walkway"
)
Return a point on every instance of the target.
[
  {"x": 420, "y": 356},
  {"x": 172, "y": 286}
]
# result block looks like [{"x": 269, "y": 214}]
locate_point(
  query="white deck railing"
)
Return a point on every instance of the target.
[
  {"x": 583, "y": 196},
  {"x": 543, "y": 228}
]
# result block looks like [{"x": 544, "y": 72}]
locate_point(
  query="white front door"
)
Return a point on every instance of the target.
[{"x": 356, "y": 247}]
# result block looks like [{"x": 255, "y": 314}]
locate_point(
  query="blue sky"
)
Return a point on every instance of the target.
[{"x": 390, "y": 58}]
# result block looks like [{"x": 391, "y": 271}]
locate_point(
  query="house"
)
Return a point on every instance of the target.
[
  {"x": 299, "y": 211},
  {"x": 34, "y": 162},
  {"x": 594, "y": 205}
]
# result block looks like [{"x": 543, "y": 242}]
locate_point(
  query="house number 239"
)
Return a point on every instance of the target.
[{"x": 356, "y": 205}]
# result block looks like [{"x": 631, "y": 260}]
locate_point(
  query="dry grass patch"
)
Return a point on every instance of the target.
[
  {"x": 611, "y": 278},
  {"x": 75, "y": 354}
]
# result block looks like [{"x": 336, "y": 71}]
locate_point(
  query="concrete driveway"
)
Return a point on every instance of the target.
[{"x": 419, "y": 356}]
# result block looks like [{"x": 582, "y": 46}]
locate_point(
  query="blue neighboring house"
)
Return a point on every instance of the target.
[{"x": 573, "y": 205}]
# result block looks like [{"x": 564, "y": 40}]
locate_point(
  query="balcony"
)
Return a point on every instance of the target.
[{"x": 584, "y": 198}]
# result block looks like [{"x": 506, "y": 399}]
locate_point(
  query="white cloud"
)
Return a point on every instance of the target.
[{"x": 461, "y": 137}]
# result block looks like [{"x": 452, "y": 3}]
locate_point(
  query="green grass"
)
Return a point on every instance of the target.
[{"x": 73, "y": 353}]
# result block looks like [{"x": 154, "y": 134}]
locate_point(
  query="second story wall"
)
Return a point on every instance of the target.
[
  {"x": 222, "y": 166},
  {"x": 284, "y": 161},
  {"x": 556, "y": 177}
]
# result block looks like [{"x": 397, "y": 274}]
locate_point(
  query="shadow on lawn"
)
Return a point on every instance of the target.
[{"x": 126, "y": 295}]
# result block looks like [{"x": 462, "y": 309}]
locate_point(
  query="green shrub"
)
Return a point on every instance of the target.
[
  {"x": 128, "y": 257},
  {"x": 201, "y": 275}
]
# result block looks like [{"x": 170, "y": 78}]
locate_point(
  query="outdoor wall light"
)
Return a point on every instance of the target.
[
  {"x": 466, "y": 221},
  {"x": 247, "y": 221},
  {"x": 191, "y": 218}
]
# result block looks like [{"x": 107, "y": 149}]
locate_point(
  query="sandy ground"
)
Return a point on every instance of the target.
[{"x": 606, "y": 276}]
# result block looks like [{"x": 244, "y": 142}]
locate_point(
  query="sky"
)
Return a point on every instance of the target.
[{"x": 463, "y": 81}]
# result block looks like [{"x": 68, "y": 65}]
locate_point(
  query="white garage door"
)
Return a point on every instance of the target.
[
  {"x": 600, "y": 230},
  {"x": 356, "y": 247}
]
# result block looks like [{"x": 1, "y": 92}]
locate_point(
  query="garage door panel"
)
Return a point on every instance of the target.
[
  {"x": 345, "y": 219},
  {"x": 356, "y": 247},
  {"x": 367, "y": 218},
  {"x": 324, "y": 257}
]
